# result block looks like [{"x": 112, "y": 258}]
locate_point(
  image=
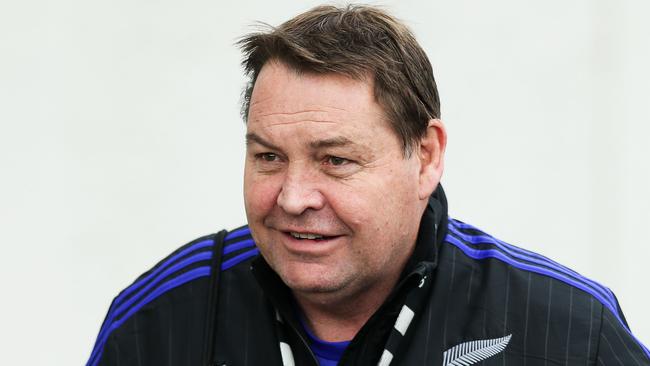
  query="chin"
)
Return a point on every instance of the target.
[
  {"x": 307, "y": 279},
  {"x": 313, "y": 288}
]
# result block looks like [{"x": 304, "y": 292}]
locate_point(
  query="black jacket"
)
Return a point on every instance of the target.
[{"x": 465, "y": 298}]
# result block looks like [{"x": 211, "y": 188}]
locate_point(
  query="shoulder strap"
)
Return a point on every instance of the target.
[{"x": 213, "y": 294}]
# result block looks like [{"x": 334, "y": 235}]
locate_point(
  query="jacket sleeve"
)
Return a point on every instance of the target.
[
  {"x": 115, "y": 346},
  {"x": 103, "y": 342},
  {"x": 111, "y": 354},
  {"x": 617, "y": 345}
]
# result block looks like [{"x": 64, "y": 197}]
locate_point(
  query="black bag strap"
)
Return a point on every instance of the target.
[{"x": 213, "y": 297}]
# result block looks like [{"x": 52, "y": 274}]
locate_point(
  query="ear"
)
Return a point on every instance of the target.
[{"x": 431, "y": 154}]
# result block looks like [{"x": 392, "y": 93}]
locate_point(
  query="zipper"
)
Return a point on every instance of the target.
[
  {"x": 406, "y": 291},
  {"x": 304, "y": 343},
  {"x": 280, "y": 322}
]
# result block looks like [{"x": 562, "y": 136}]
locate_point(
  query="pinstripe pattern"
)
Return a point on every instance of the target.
[
  {"x": 527, "y": 314},
  {"x": 167, "y": 286},
  {"x": 591, "y": 327},
  {"x": 533, "y": 261},
  {"x": 133, "y": 296},
  {"x": 467, "y": 238},
  {"x": 485, "y": 324},
  {"x": 138, "y": 344},
  {"x": 469, "y": 285},
  {"x": 505, "y": 310},
  {"x": 450, "y": 290},
  {"x": 568, "y": 335},
  {"x": 548, "y": 320},
  {"x": 611, "y": 326},
  {"x": 611, "y": 351},
  {"x": 428, "y": 336}
]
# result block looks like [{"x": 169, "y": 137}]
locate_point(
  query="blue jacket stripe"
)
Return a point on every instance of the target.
[
  {"x": 117, "y": 310},
  {"x": 204, "y": 256},
  {"x": 540, "y": 260},
  {"x": 161, "y": 267},
  {"x": 123, "y": 304},
  {"x": 497, "y": 254},
  {"x": 169, "y": 285},
  {"x": 162, "y": 271},
  {"x": 645, "y": 349},
  {"x": 239, "y": 258},
  {"x": 237, "y": 233},
  {"x": 238, "y": 245},
  {"x": 462, "y": 225}
]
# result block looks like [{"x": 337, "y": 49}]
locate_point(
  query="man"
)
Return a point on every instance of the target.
[{"x": 349, "y": 257}]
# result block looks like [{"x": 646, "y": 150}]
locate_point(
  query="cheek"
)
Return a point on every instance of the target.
[
  {"x": 378, "y": 202},
  {"x": 350, "y": 205},
  {"x": 260, "y": 194}
]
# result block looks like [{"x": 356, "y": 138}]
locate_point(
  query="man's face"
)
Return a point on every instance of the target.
[{"x": 331, "y": 201}]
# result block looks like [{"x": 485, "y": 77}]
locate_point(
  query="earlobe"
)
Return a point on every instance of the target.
[{"x": 431, "y": 154}]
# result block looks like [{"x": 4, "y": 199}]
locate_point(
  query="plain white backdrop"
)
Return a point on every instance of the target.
[{"x": 120, "y": 140}]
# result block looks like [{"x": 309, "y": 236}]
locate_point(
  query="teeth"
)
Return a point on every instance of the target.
[{"x": 306, "y": 236}]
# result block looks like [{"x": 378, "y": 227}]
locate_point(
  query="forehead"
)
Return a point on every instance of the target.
[
  {"x": 282, "y": 95},
  {"x": 317, "y": 104}
]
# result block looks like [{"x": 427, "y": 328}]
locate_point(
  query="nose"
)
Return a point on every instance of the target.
[{"x": 299, "y": 192}]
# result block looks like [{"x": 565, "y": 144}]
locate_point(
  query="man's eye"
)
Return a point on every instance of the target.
[
  {"x": 270, "y": 157},
  {"x": 336, "y": 161}
]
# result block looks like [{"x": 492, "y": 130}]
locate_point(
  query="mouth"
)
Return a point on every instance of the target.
[
  {"x": 308, "y": 236},
  {"x": 310, "y": 241}
]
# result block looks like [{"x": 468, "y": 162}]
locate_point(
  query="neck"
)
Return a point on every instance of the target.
[{"x": 336, "y": 317}]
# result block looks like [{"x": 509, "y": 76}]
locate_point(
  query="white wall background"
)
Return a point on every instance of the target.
[{"x": 120, "y": 140}]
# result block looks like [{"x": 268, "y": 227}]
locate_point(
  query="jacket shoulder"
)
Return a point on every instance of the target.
[
  {"x": 238, "y": 248},
  {"x": 525, "y": 290},
  {"x": 170, "y": 298},
  {"x": 491, "y": 254}
]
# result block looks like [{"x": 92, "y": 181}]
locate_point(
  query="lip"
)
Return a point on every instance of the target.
[
  {"x": 302, "y": 230},
  {"x": 310, "y": 247}
]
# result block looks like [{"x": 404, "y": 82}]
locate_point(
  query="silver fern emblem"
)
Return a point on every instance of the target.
[{"x": 469, "y": 353}]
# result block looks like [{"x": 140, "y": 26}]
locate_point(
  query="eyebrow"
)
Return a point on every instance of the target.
[
  {"x": 331, "y": 142},
  {"x": 314, "y": 145},
  {"x": 253, "y": 138}
]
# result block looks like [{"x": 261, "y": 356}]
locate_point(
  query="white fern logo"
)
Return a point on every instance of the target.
[{"x": 469, "y": 353}]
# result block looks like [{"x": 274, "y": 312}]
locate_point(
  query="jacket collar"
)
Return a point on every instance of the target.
[{"x": 433, "y": 229}]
